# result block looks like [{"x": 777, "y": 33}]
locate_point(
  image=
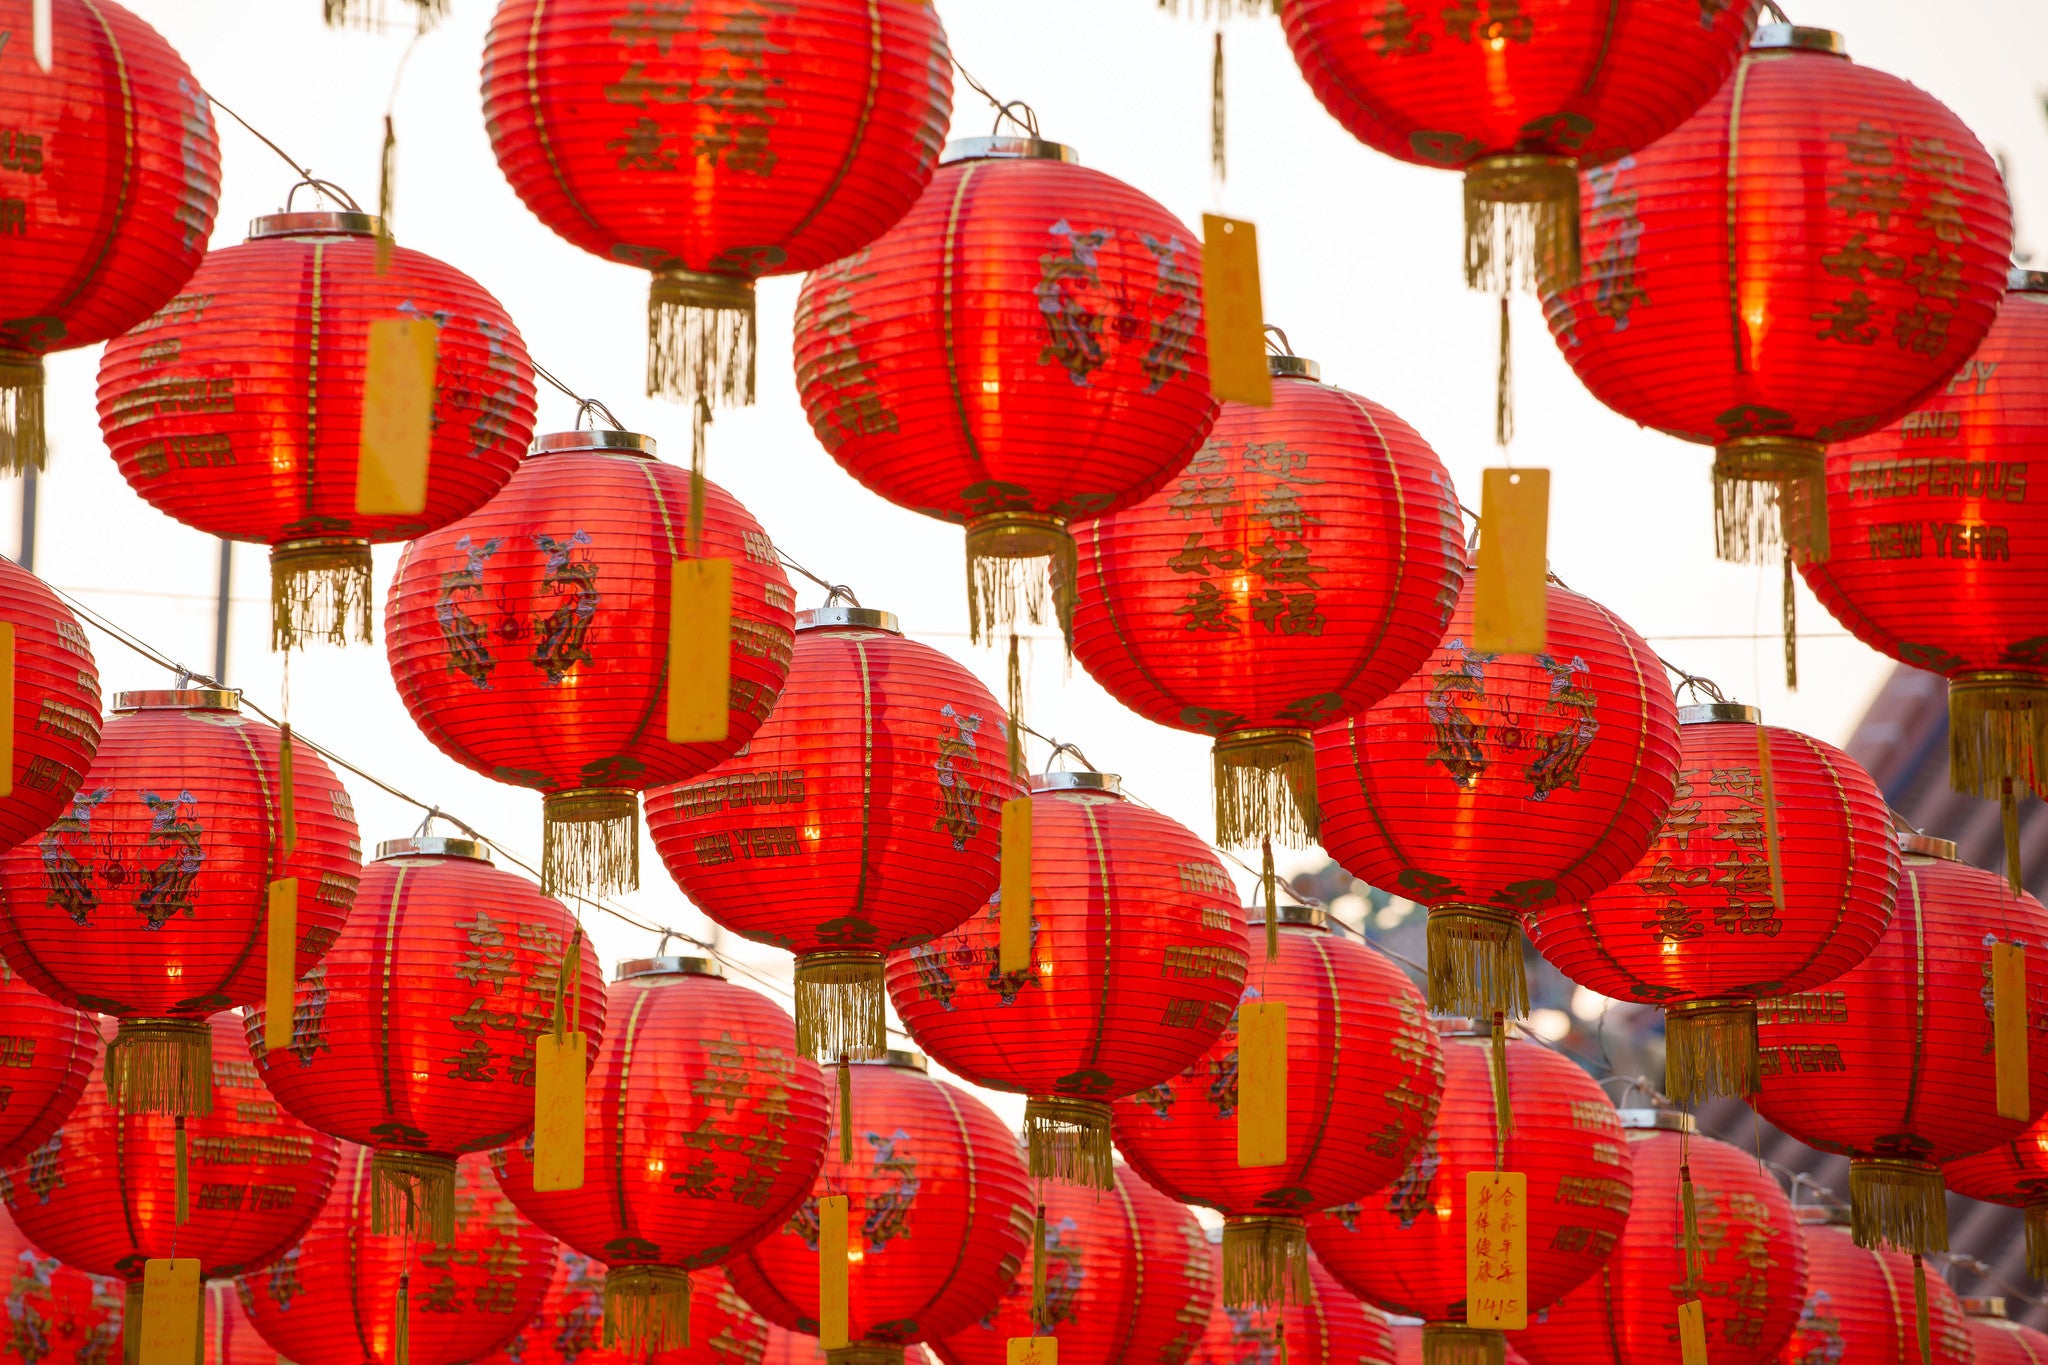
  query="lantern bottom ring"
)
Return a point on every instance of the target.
[
  {"x": 840, "y": 1004},
  {"x": 161, "y": 1066},
  {"x": 1475, "y": 961},
  {"x": 1710, "y": 1049},
  {"x": 1068, "y": 1139},
  {"x": 1522, "y": 223},
  {"x": 1898, "y": 1202},
  {"x": 1265, "y": 1262},
  {"x": 1018, "y": 565},
  {"x": 413, "y": 1192},
  {"x": 590, "y": 841},
  {"x": 1266, "y": 787},
  {"x": 320, "y": 590},
  {"x": 646, "y": 1308},
  {"x": 21, "y": 412},
  {"x": 1998, "y": 731},
  {"x": 1770, "y": 497},
  {"x": 1453, "y": 1343}
]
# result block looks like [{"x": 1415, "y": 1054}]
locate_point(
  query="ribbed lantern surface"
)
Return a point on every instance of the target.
[
  {"x": 1334, "y": 1327},
  {"x": 55, "y": 715},
  {"x": 1860, "y": 1305}
]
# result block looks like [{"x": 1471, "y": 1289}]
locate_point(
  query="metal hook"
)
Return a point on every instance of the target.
[
  {"x": 1701, "y": 687},
  {"x": 1059, "y": 748},
  {"x": 586, "y": 407},
  {"x": 839, "y": 593},
  {"x": 1029, "y": 123},
  {"x": 319, "y": 187},
  {"x": 1285, "y": 347}
]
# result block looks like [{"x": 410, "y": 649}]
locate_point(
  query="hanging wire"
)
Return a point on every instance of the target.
[
  {"x": 306, "y": 177},
  {"x": 1026, "y": 119},
  {"x": 584, "y": 406}
]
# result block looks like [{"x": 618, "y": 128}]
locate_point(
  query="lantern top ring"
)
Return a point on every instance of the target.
[
  {"x": 1293, "y": 367},
  {"x": 608, "y": 442},
  {"x": 1110, "y": 783},
  {"x": 667, "y": 966},
  {"x": 1792, "y": 36},
  {"x": 1715, "y": 712},
  {"x": 324, "y": 223},
  {"x": 1926, "y": 846},
  {"x": 2025, "y": 281},
  {"x": 432, "y": 846},
  {"x": 901, "y": 1058},
  {"x": 862, "y": 618},
  {"x": 1007, "y": 149},
  {"x": 180, "y": 699},
  {"x": 1658, "y": 1120},
  {"x": 1311, "y": 916}
]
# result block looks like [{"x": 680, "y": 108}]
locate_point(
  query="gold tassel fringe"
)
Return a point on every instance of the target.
[
  {"x": 181, "y": 1181},
  {"x": 1710, "y": 1050},
  {"x": 1018, "y": 565},
  {"x": 845, "y": 1070},
  {"x": 1219, "y": 156},
  {"x": 2037, "y": 1241},
  {"x": 1451, "y": 1343},
  {"x": 161, "y": 1066},
  {"x": 22, "y": 446},
  {"x": 700, "y": 432},
  {"x": 1920, "y": 1311},
  {"x": 1770, "y": 498},
  {"x": 1997, "y": 729},
  {"x": 1475, "y": 962},
  {"x": 839, "y": 1004},
  {"x": 866, "y": 1353},
  {"x": 1504, "y": 381},
  {"x": 1265, "y": 1262},
  {"x": 1503, "y": 1091},
  {"x": 2009, "y": 822},
  {"x": 1522, "y": 224},
  {"x": 646, "y": 1308},
  {"x": 413, "y": 1192},
  {"x": 1038, "y": 1313},
  {"x": 131, "y": 1324},
  {"x": 1269, "y": 887},
  {"x": 1791, "y": 618},
  {"x": 319, "y": 592},
  {"x": 700, "y": 338},
  {"x": 590, "y": 842},
  {"x": 387, "y": 192},
  {"x": 370, "y": 13},
  {"x": 401, "y": 1327},
  {"x": 1266, "y": 788},
  {"x": 1898, "y": 1203},
  {"x": 1069, "y": 1140},
  {"x": 1016, "y": 753}
]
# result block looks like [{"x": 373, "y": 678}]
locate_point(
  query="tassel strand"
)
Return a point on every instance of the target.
[
  {"x": 22, "y": 444},
  {"x": 840, "y": 1005}
]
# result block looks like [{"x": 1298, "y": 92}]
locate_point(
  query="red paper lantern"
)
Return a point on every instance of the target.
[
  {"x": 102, "y": 1193},
  {"x": 1302, "y": 565},
  {"x": 715, "y": 143},
  {"x": 1861, "y": 1305},
  {"x": 1364, "y": 1072},
  {"x": 245, "y": 406},
  {"x": 2015, "y": 1174},
  {"x": 1023, "y": 351},
  {"x": 1334, "y": 1327},
  {"x": 231, "y": 1339},
  {"x": 1750, "y": 1266},
  {"x": 1997, "y": 1340},
  {"x": 1405, "y": 1249},
  {"x": 1491, "y": 786},
  {"x": 1408, "y": 1346},
  {"x": 1519, "y": 96},
  {"x": 55, "y": 704},
  {"x": 865, "y": 816},
  {"x": 704, "y": 1130},
  {"x": 1774, "y": 872},
  {"x": 1893, "y": 1064},
  {"x": 1816, "y": 250},
  {"x": 335, "y": 1298},
  {"x": 415, "y": 1036},
  {"x": 938, "y": 1219},
  {"x": 150, "y": 900},
  {"x": 1138, "y": 958},
  {"x": 1128, "y": 1277},
  {"x": 530, "y": 640},
  {"x": 109, "y": 176},
  {"x": 56, "y": 1315},
  {"x": 1934, "y": 548},
  {"x": 48, "y": 1052},
  {"x": 569, "y": 1327}
]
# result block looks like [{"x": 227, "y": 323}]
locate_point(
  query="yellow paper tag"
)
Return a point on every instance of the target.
[
  {"x": 7, "y": 708},
  {"x": 1262, "y": 1083},
  {"x": 699, "y": 651},
  {"x": 1233, "y": 313},
  {"x": 1511, "y": 599},
  {"x": 2009, "y": 1030},
  {"x": 398, "y": 417},
  {"x": 559, "y": 1090},
  {"x": 832, "y": 1272},
  {"x": 1692, "y": 1333},
  {"x": 1014, "y": 952},
  {"x": 280, "y": 964},
  {"x": 1497, "y": 1250},
  {"x": 170, "y": 1312},
  {"x": 1034, "y": 1351}
]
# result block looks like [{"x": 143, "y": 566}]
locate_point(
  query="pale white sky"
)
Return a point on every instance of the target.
[{"x": 1361, "y": 266}]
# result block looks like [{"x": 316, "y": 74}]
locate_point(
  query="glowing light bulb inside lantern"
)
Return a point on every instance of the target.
[
  {"x": 655, "y": 1166},
  {"x": 174, "y": 970},
  {"x": 855, "y": 1255},
  {"x": 991, "y": 386},
  {"x": 812, "y": 832}
]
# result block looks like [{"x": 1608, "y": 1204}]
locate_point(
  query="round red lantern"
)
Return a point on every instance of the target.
[
  {"x": 865, "y": 816},
  {"x": 1302, "y": 565},
  {"x": 2015, "y": 1174},
  {"x": 150, "y": 900},
  {"x": 1998, "y": 1340},
  {"x": 109, "y": 176},
  {"x": 1127, "y": 1278},
  {"x": 1023, "y": 351},
  {"x": 1405, "y": 1249},
  {"x": 1408, "y": 1346},
  {"x": 1862, "y": 1305},
  {"x": 1359, "y": 1046},
  {"x": 1748, "y": 1272},
  {"x": 56, "y": 1315},
  {"x": 1812, "y": 253},
  {"x": 254, "y": 406},
  {"x": 713, "y": 144},
  {"x": 1934, "y": 558},
  {"x": 48, "y": 1051},
  {"x": 530, "y": 640},
  {"x": 1332, "y": 1327},
  {"x": 1138, "y": 958},
  {"x": 1519, "y": 96},
  {"x": 414, "y": 1037},
  {"x": 568, "y": 1329},
  {"x": 1893, "y": 1063},
  {"x": 939, "y": 1218},
  {"x": 231, "y": 1339},
  {"x": 102, "y": 1193},
  {"x": 704, "y": 1130},
  {"x": 54, "y": 704},
  {"x": 345, "y": 1296},
  {"x": 1774, "y": 872},
  {"x": 1492, "y": 786}
]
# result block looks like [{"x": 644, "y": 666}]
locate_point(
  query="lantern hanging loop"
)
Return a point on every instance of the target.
[
  {"x": 1281, "y": 347},
  {"x": 1060, "y": 747},
  {"x": 321, "y": 187},
  {"x": 1776, "y": 12}
]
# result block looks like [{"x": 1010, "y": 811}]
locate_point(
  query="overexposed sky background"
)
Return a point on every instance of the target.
[{"x": 1361, "y": 267}]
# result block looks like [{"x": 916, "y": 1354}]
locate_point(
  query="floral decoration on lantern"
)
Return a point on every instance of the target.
[
  {"x": 1862, "y": 1305},
  {"x": 57, "y": 1315}
]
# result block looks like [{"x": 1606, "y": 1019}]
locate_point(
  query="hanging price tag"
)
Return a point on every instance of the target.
[
  {"x": 1692, "y": 1333},
  {"x": 699, "y": 651},
  {"x": 6, "y": 708},
  {"x": 1511, "y": 598},
  {"x": 398, "y": 417},
  {"x": 2009, "y": 1030},
  {"x": 280, "y": 964},
  {"x": 1262, "y": 1083},
  {"x": 1014, "y": 950},
  {"x": 832, "y": 1272},
  {"x": 170, "y": 1312},
  {"x": 1497, "y": 1250},
  {"x": 560, "y": 1083},
  {"x": 1034, "y": 1351},
  {"x": 1233, "y": 313}
]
